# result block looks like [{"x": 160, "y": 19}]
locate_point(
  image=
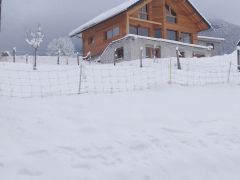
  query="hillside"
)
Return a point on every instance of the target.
[{"x": 224, "y": 29}]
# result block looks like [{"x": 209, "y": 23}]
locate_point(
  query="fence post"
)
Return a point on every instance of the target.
[
  {"x": 178, "y": 59},
  {"x": 154, "y": 53},
  {"x": 141, "y": 57},
  {"x": 238, "y": 58},
  {"x": 170, "y": 71},
  {"x": 35, "y": 59},
  {"x": 115, "y": 57},
  {"x": 14, "y": 54},
  {"x": 78, "y": 62},
  {"x": 80, "y": 79},
  {"x": 58, "y": 59},
  {"x": 229, "y": 72},
  {"x": 90, "y": 57},
  {"x": 67, "y": 61},
  {"x": 26, "y": 58}
]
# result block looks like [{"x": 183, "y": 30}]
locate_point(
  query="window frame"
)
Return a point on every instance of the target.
[
  {"x": 119, "y": 53},
  {"x": 190, "y": 37},
  {"x": 110, "y": 33},
  {"x": 139, "y": 29},
  {"x": 171, "y": 15},
  {"x": 176, "y": 33},
  {"x": 151, "y": 51},
  {"x": 143, "y": 13},
  {"x": 160, "y": 33},
  {"x": 211, "y": 44}
]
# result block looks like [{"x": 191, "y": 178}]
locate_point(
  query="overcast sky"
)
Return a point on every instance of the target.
[{"x": 59, "y": 17}]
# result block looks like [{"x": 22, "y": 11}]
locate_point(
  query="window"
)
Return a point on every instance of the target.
[
  {"x": 158, "y": 52},
  {"x": 116, "y": 31},
  {"x": 186, "y": 38},
  {"x": 211, "y": 45},
  {"x": 133, "y": 30},
  {"x": 182, "y": 54},
  {"x": 198, "y": 54},
  {"x": 151, "y": 52},
  {"x": 171, "y": 15},
  {"x": 143, "y": 13},
  {"x": 91, "y": 40},
  {"x": 139, "y": 31},
  {"x": 143, "y": 31},
  {"x": 113, "y": 32},
  {"x": 158, "y": 33},
  {"x": 172, "y": 35},
  {"x": 119, "y": 53},
  {"x": 109, "y": 34}
]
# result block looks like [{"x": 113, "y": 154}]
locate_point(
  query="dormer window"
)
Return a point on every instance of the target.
[
  {"x": 143, "y": 13},
  {"x": 171, "y": 15}
]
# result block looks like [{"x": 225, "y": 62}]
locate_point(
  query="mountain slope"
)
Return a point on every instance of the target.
[{"x": 224, "y": 29}]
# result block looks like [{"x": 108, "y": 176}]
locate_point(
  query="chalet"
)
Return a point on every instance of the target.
[{"x": 155, "y": 26}]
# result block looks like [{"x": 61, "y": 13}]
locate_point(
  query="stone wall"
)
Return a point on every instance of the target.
[{"x": 132, "y": 45}]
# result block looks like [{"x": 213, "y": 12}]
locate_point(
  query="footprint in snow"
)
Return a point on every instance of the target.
[
  {"x": 27, "y": 172},
  {"x": 82, "y": 166},
  {"x": 147, "y": 178},
  {"x": 1, "y": 165},
  {"x": 38, "y": 152}
]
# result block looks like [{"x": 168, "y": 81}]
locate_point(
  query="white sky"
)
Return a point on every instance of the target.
[{"x": 59, "y": 17}]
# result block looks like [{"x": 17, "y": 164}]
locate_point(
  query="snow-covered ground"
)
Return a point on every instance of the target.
[
  {"x": 154, "y": 131},
  {"x": 170, "y": 132},
  {"x": 19, "y": 80}
]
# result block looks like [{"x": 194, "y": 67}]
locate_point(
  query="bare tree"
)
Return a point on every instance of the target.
[
  {"x": 62, "y": 44},
  {"x": 35, "y": 39}
]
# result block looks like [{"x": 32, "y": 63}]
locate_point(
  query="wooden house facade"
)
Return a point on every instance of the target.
[{"x": 174, "y": 20}]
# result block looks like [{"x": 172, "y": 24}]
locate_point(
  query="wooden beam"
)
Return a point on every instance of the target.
[
  {"x": 145, "y": 21},
  {"x": 134, "y": 9},
  {"x": 127, "y": 19}
]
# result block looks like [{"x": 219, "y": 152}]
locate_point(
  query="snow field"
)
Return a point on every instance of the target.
[{"x": 171, "y": 132}]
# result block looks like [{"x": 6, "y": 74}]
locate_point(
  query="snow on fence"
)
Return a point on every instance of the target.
[{"x": 19, "y": 80}]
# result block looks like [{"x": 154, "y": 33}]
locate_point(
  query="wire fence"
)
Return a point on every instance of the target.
[{"x": 19, "y": 80}]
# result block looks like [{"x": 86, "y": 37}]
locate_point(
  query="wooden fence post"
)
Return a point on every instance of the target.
[
  {"x": 141, "y": 57},
  {"x": 80, "y": 79},
  {"x": 35, "y": 59},
  {"x": 238, "y": 58},
  {"x": 58, "y": 58},
  {"x": 26, "y": 58},
  {"x": 154, "y": 53},
  {"x": 14, "y": 54},
  {"x": 115, "y": 57},
  {"x": 78, "y": 61},
  {"x": 178, "y": 59}
]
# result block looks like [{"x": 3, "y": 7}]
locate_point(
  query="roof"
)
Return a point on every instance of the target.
[
  {"x": 116, "y": 11},
  {"x": 211, "y": 38}
]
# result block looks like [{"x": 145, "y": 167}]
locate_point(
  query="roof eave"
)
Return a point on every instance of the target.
[
  {"x": 74, "y": 34},
  {"x": 200, "y": 15}
]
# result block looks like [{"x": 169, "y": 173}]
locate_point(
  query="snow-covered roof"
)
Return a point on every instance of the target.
[
  {"x": 116, "y": 11},
  {"x": 104, "y": 16},
  {"x": 211, "y": 38}
]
